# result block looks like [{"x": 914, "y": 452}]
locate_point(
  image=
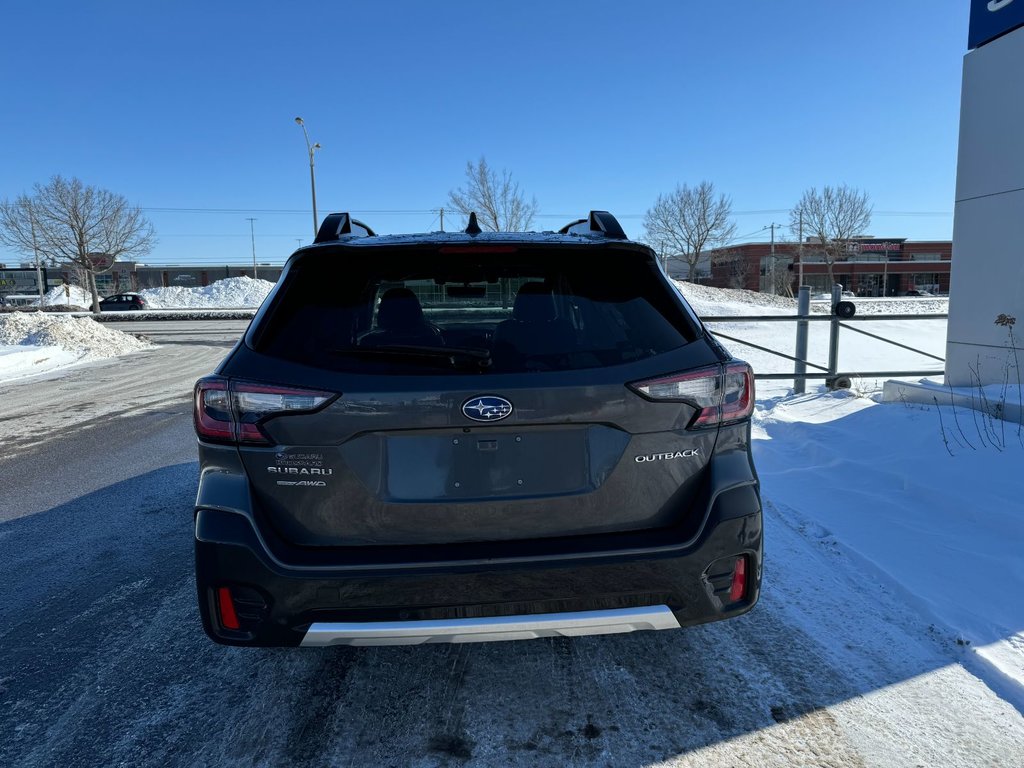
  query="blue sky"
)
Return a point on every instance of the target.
[{"x": 191, "y": 106}]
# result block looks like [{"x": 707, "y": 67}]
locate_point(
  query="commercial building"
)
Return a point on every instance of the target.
[
  {"x": 24, "y": 280},
  {"x": 871, "y": 266}
]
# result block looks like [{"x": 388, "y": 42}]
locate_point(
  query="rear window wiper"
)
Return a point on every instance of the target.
[{"x": 456, "y": 356}]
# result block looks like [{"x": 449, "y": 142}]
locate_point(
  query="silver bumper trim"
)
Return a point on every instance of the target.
[{"x": 491, "y": 629}]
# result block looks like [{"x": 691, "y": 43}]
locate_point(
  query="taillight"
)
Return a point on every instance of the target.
[
  {"x": 232, "y": 411},
  {"x": 738, "y": 392},
  {"x": 722, "y": 395},
  {"x": 211, "y": 410}
]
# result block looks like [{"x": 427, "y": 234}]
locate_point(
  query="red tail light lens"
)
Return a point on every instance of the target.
[
  {"x": 228, "y": 617},
  {"x": 721, "y": 395},
  {"x": 739, "y": 580},
  {"x": 232, "y": 411},
  {"x": 211, "y": 410}
]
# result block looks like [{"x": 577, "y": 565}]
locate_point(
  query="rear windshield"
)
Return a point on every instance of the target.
[{"x": 415, "y": 311}]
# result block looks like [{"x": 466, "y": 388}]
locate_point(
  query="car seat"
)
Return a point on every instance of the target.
[
  {"x": 400, "y": 321},
  {"x": 534, "y": 337}
]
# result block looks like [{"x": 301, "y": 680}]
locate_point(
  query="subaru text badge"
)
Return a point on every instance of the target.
[{"x": 486, "y": 408}]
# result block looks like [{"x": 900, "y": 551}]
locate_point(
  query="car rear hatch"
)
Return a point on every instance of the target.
[{"x": 531, "y": 395}]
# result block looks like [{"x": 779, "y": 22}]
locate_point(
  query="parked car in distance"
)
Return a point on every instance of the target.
[
  {"x": 122, "y": 302},
  {"x": 917, "y": 292},
  {"x": 473, "y": 437}
]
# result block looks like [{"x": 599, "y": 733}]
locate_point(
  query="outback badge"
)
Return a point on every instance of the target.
[{"x": 486, "y": 408}]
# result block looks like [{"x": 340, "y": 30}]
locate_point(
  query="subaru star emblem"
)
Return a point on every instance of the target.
[{"x": 487, "y": 408}]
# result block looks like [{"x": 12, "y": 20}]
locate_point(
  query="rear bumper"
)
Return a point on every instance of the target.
[{"x": 290, "y": 604}]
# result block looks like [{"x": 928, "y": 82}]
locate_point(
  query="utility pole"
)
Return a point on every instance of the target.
[
  {"x": 442, "y": 219},
  {"x": 252, "y": 233},
  {"x": 35, "y": 250},
  {"x": 773, "y": 225},
  {"x": 800, "y": 251}
]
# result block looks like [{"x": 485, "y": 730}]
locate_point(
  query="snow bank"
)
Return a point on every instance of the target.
[
  {"x": 943, "y": 525},
  {"x": 706, "y": 300},
  {"x": 730, "y": 301},
  {"x": 33, "y": 342},
  {"x": 56, "y": 296},
  {"x": 230, "y": 293}
]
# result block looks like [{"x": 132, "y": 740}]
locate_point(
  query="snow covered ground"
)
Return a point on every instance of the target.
[
  {"x": 36, "y": 342},
  {"x": 928, "y": 497},
  {"x": 33, "y": 343},
  {"x": 943, "y": 527}
]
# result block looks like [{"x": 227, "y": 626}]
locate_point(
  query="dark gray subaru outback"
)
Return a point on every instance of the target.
[{"x": 458, "y": 437}]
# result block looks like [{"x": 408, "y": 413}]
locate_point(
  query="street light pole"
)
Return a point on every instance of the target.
[
  {"x": 252, "y": 233},
  {"x": 311, "y": 149}
]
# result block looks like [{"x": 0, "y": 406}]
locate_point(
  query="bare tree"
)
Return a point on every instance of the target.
[
  {"x": 687, "y": 222},
  {"x": 833, "y": 217},
  {"x": 73, "y": 223},
  {"x": 779, "y": 277},
  {"x": 737, "y": 268},
  {"x": 498, "y": 202}
]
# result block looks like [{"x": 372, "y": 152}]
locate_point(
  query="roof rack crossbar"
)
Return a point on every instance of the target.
[
  {"x": 598, "y": 222},
  {"x": 338, "y": 225}
]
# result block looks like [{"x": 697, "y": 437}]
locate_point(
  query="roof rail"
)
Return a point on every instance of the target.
[
  {"x": 600, "y": 222},
  {"x": 339, "y": 225}
]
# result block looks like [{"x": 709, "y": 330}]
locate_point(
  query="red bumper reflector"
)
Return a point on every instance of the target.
[
  {"x": 228, "y": 619},
  {"x": 739, "y": 579}
]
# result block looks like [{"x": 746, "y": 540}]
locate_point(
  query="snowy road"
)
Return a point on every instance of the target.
[{"x": 103, "y": 660}]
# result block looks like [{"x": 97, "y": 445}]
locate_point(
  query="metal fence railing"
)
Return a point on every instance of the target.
[{"x": 840, "y": 317}]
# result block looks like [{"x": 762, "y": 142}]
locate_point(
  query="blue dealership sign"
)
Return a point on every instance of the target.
[{"x": 992, "y": 18}]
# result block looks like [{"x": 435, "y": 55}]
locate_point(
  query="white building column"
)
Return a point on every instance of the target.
[{"x": 987, "y": 277}]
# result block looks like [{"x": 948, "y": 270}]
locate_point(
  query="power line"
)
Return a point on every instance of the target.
[{"x": 282, "y": 211}]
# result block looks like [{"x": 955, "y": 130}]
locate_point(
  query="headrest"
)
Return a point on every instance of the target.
[
  {"x": 399, "y": 310},
  {"x": 534, "y": 304}
]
